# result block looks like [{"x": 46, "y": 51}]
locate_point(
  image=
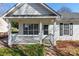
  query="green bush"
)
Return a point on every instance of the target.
[
  {"x": 23, "y": 50},
  {"x": 14, "y": 24}
]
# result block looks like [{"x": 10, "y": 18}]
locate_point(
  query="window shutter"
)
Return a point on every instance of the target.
[
  {"x": 61, "y": 29},
  {"x": 71, "y": 29}
]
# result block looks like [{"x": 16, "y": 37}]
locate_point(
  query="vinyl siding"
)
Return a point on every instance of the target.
[{"x": 32, "y": 9}]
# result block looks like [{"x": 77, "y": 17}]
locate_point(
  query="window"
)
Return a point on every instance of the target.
[
  {"x": 45, "y": 28},
  {"x": 31, "y": 29},
  {"x": 66, "y": 29}
]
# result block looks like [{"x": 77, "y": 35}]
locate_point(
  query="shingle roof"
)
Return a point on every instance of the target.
[{"x": 70, "y": 15}]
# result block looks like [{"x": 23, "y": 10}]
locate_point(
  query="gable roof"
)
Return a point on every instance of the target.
[{"x": 21, "y": 4}]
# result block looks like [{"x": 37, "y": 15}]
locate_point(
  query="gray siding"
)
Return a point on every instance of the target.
[{"x": 32, "y": 9}]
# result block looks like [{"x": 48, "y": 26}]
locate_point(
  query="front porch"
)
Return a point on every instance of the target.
[{"x": 21, "y": 38}]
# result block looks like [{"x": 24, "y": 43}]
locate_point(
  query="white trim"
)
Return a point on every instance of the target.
[
  {"x": 26, "y": 35},
  {"x": 35, "y": 17}
]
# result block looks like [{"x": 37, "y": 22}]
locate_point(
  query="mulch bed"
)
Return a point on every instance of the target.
[{"x": 68, "y": 47}]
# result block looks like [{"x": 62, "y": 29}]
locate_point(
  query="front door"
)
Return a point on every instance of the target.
[{"x": 45, "y": 29}]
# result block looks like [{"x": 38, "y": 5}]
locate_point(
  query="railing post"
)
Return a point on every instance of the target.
[{"x": 50, "y": 35}]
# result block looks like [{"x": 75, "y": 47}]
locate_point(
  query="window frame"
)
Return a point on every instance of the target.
[
  {"x": 66, "y": 28},
  {"x": 70, "y": 29},
  {"x": 28, "y": 30}
]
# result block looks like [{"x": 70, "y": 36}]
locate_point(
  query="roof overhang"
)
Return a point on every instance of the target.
[
  {"x": 36, "y": 17},
  {"x": 50, "y": 9}
]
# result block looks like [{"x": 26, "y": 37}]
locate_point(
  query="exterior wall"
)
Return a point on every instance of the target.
[
  {"x": 50, "y": 28},
  {"x": 76, "y": 31},
  {"x": 75, "y": 35}
]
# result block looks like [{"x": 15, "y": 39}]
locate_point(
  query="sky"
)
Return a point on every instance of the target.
[
  {"x": 73, "y": 6},
  {"x": 56, "y": 6},
  {"x": 5, "y": 7}
]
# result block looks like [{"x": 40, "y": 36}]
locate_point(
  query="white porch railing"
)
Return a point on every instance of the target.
[
  {"x": 32, "y": 39},
  {"x": 25, "y": 39}
]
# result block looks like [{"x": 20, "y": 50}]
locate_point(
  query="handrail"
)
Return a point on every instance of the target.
[
  {"x": 48, "y": 39},
  {"x": 45, "y": 37}
]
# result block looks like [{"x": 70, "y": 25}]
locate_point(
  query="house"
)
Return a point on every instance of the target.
[{"x": 37, "y": 21}]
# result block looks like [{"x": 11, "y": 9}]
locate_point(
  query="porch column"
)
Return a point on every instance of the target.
[
  {"x": 9, "y": 33},
  {"x": 54, "y": 33},
  {"x": 40, "y": 32},
  {"x": 20, "y": 28}
]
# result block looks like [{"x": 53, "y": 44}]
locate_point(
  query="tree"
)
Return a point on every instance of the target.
[
  {"x": 14, "y": 24},
  {"x": 65, "y": 10}
]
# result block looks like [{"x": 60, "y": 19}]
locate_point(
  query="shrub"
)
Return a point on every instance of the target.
[{"x": 22, "y": 50}]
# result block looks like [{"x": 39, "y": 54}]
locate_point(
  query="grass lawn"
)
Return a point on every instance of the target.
[{"x": 23, "y": 50}]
